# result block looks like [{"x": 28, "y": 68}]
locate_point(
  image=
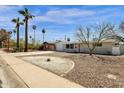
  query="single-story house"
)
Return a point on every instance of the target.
[
  {"x": 108, "y": 46},
  {"x": 48, "y": 46}
]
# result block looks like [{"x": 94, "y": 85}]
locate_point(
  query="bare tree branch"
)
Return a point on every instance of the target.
[{"x": 94, "y": 35}]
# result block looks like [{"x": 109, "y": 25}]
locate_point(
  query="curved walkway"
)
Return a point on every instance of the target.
[
  {"x": 34, "y": 76},
  {"x": 31, "y": 53}
]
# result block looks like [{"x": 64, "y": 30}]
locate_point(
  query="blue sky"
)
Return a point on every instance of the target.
[{"x": 61, "y": 20}]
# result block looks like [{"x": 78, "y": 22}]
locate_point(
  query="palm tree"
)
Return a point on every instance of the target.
[
  {"x": 18, "y": 23},
  {"x": 27, "y": 16},
  {"x": 43, "y": 31},
  {"x": 14, "y": 31},
  {"x": 30, "y": 38},
  {"x": 68, "y": 39},
  {"x": 34, "y": 28}
]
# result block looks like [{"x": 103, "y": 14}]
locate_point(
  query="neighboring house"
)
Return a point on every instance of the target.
[
  {"x": 49, "y": 46},
  {"x": 109, "y": 46}
]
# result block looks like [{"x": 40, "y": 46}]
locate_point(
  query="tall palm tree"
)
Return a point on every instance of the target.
[
  {"x": 30, "y": 38},
  {"x": 34, "y": 28},
  {"x": 68, "y": 39},
  {"x": 27, "y": 15},
  {"x": 43, "y": 31},
  {"x": 14, "y": 32},
  {"x": 18, "y": 23}
]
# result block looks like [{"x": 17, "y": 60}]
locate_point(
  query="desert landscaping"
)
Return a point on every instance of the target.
[
  {"x": 94, "y": 71},
  {"x": 56, "y": 65}
]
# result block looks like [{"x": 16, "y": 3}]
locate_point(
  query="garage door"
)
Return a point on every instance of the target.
[{"x": 116, "y": 50}]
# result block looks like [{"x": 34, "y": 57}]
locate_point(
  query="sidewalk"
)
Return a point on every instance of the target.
[
  {"x": 34, "y": 76},
  {"x": 31, "y": 53}
]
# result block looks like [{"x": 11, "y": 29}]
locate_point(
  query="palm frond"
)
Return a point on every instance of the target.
[
  {"x": 24, "y": 20},
  {"x": 14, "y": 20},
  {"x": 22, "y": 12},
  {"x": 26, "y": 11},
  {"x": 31, "y": 16}
]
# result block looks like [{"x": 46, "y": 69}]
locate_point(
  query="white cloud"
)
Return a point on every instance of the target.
[
  {"x": 5, "y": 8},
  {"x": 7, "y": 13},
  {"x": 64, "y": 16},
  {"x": 77, "y": 16},
  {"x": 70, "y": 12},
  {"x": 57, "y": 20}
]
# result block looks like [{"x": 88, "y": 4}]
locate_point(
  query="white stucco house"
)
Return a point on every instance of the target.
[{"x": 109, "y": 46}]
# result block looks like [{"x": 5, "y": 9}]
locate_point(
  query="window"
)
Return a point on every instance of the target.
[
  {"x": 76, "y": 45},
  {"x": 67, "y": 45},
  {"x": 71, "y": 46},
  {"x": 116, "y": 43},
  {"x": 97, "y": 44}
]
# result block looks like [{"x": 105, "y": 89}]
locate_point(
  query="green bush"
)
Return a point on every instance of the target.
[{"x": 14, "y": 50}]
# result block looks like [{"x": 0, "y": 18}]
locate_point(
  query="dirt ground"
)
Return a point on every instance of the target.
[{"x": 97, "y": 71}]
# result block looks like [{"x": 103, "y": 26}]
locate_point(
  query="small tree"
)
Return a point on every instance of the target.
[
  {"x": 120, "y": 36},
  {"x": 3, "y": 36},
  {"x": 91, "y": 36}
]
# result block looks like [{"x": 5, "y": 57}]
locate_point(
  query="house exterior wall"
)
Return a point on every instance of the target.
[
  {"x": 106, "y": 48},
  {"x": 84, "y": 48},
  {"x": 75, "y": 49},
  {"x": 122, "y": 49},
  {"x": 60, "y": 46}
]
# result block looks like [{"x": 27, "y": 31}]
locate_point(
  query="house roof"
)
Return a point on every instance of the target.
[
  {"x": 103, "y": 41},
  {"x": 109, "y": 40}
]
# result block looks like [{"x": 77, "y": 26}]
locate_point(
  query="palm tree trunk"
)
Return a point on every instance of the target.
[
  {"x": 18, "y": 37},
  {"x": 26, "y": 36}
]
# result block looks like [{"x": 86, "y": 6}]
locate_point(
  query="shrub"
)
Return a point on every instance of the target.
[{"x": 48, "y": 60}]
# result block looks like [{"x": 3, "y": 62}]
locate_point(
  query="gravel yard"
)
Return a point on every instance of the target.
[
  {"x": 57, "y": 65},
  {"x": 95, "y": 71}
]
